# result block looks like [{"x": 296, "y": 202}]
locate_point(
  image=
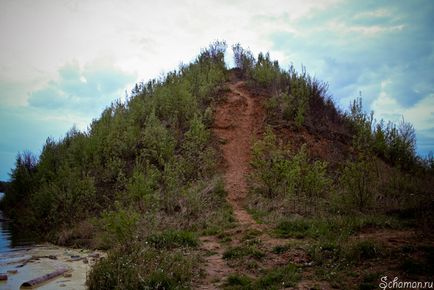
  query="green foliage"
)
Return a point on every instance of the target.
[
  {"x": 23, "y": 181},
  {"x": 171, "y": 239},
  {"x": 293, "y": 229},
  {"x": 277, "y": 172},
  {"x": 364, "y": 250},
  {"x": 143, "y": 152},
  {"x": 120, "y": 226},
  {"x": 143, "y": 183},
  {"x": 244, "y": 59},
  {"x": 265, "y": 72},
  {"x": 70, "y": 196},
  {"x": 243, "y": 251},
  {"x": 296, "y": 98},
  {"x": 395, "y": 143},
  {"x": 359, "y": 183},
  {"x": 197, "y": 157},
  {"x": 157, "y": 142},
  {"x": 331, "y": 228},
  {"x": 280, "y": 249},
  {"x": 362, "y": 124},
  {"x": 236, "y": 281},
  {"x": 276, "y": 278},
  {"x": 285, "y": 276},
  {"x": 143, "y": 268}
]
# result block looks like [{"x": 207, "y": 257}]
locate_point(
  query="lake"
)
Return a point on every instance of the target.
[
  {"x": 22, "y": 259},
  {"x": 10, "y": 241}
]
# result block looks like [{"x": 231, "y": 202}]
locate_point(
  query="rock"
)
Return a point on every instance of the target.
[
  {"x": 85, "y": 260},
  {"x": 3, "y": 277},
  {"x": 94, "y": 255},
  {"x": 52, "y": 257},
  {"x": 67, "y": 275},
  {"x": 12, "y": 271}
]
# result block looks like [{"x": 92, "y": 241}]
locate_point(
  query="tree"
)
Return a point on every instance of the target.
[{"x": 244, "y": 59}]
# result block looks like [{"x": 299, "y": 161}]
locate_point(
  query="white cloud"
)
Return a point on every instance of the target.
[{"x": 337, "y": 40}]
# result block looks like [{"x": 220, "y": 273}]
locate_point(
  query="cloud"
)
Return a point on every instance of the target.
[
  {"x": 385, "y": 51},
  {"x": 421, "y": 115},
  {"x": 355, "y": 47},
  {"x": 26, "y": 128},
  {"x": 75, "y": 97},
  {"x": 88, "y": 89},
  {"x": 370, "y": 46},
  {"x": 425, "y": 141}
]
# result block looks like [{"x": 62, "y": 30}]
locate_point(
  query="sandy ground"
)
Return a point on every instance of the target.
[{"x": 40, "y": 264}]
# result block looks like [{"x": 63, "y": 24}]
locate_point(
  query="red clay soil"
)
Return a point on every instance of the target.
[{"x": 237, "y": 121}]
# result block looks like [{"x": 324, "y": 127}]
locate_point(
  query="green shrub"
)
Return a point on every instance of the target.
[
  {"x": 277, "y": 172},
  {"x": 244, "y": 59},
  {"x": 143, "y": 184},
  {"x": 293, "y": 229},
  {"x": 120, "y": 226},
  {"x": 265, "y": 72},
  {"x": 359, "y": 182},
  {"x": 143, "y": 268},
  {"x": 364, "y": 250},
  {"x": 171, "y": 239}
]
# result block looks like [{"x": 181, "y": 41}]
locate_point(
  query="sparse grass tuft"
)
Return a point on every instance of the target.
[
  {"x": 280, "y": 277},
  {"x": 237, "y": 281},
  {"x": 144, "y": 268},
  {"x": 364, "y": 250},
  {"x": 171, "y": 239},
  {"x": 280, "y": 249},
  {"x": 242, "y": 252}
]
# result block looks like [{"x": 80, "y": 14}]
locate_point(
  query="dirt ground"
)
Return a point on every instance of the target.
[{"x": 36, "y": 261}]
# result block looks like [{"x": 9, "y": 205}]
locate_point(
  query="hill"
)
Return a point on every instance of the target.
[{"x": 249, "y": 178}]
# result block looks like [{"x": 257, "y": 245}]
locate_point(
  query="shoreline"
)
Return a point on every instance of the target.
[{"x": 41, "y": 259}]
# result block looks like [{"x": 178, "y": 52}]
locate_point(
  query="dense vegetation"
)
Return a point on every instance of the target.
[
  {"x": 144, "y": 169},
  {"x": 323, "y": 175},
  {"x": 3, "y": 186},
  {"x": 376, "y": 157},
  {"x": 142, "y": 181}
]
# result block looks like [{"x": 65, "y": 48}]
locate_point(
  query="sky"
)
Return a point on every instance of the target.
[{"x": 63, "y": 61}]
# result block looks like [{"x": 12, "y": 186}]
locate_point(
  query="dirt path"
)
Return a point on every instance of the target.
[
  {"x": 236, "y": 126},
  {"x": 237, "y": 120}
]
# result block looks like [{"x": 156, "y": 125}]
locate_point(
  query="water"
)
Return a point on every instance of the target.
[
  {"x": 11, "y": 241},
  {"x": 22, "y": 259}
]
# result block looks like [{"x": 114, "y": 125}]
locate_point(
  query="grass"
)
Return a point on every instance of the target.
[
  {"x": 243, "y": 251},
  {"x": 364, "y": 250},
  {"x": 280, "y": 277},
  {"x": 280, "y": 249},
  {"x": 144, "y": 268},
  {"x": 251, "y": 234},
  {"x": 238, "y": 281},
  {"x": 171, "y": 239},
  {"x": 332, "y": 227},
  {"x": 369, "y": 282},
  {"x": 343, "y": 253},
  {"x": 276, "y": 278}
]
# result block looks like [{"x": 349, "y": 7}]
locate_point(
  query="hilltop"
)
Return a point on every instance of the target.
[{"x": 244, "y": 178}]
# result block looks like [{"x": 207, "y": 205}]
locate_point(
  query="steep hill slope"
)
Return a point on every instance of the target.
[{"x": 249, "y": 178}]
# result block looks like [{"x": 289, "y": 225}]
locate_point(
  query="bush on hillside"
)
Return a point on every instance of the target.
[{"x": 279, "y": 172}]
